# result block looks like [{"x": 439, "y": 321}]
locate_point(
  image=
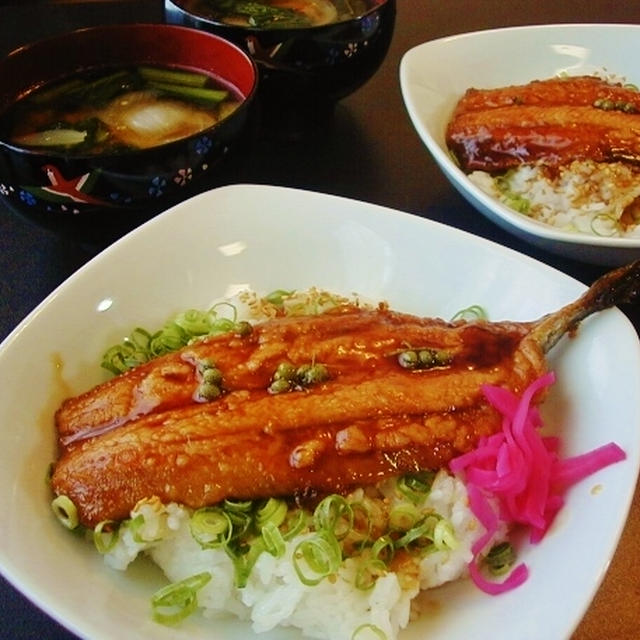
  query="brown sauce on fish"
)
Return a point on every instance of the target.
[
  {"x": 369, "y": 418},
  {"x": 550, "y": 121}
]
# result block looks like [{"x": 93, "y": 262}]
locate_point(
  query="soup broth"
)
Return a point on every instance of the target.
[
  {"x": 281, "y": 14},
  {"x": 115, "y": 110}
]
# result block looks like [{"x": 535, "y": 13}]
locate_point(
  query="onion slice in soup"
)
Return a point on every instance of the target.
[{"x": 141, "y": 119}]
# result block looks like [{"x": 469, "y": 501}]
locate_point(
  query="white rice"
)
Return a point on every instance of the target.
[
  {"x": 583, "y": 197},
  {"x": 274, "y": 595}
]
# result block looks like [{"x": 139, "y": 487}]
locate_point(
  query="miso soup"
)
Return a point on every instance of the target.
[
  {"x": 280, "y": 14},
  {"x": 117, "y": 109}
]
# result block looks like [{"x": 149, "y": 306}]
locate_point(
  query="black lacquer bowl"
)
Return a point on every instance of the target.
[
  {"x": 311, "y": 66},
  {"x": 47, "y": 185}
]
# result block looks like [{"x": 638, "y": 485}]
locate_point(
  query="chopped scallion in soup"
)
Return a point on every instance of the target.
[{"x": 112, "y": 110}]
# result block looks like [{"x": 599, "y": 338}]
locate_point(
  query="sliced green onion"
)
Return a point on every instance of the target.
[
  {"x": 194, "y": 322},
  {"x": 366, "y": 631},
  {"x": 238, "y": 506},
  {"x": 444, "y": 535},
  {"x": 404, "y": 516},
  {"x": 278, "y": 297},
  {"x": 334, "y": 514},
  {"x": 384, "y": 549},
  {"x": 197, "y": 94},
  {"x": 419, "y": 536},
  {"x": 368, "y": 572},
  {"x": 135, "y": 525},
  {"x": 513, "y": 200},
  {"x": 213, "y": 311},
  {"x": 500, "y": 558},
  {"x": 474, "y": 312},
  {"x": 272, "y": 511},
  {"x": 133, "y": 351},
  {"x": 176, "y": 601},
  {"x": 52, "y": 138},
  {"x": 244, "y": 558},
  {"x": 43, "y": 96},
  {"x": 416, "y": 486},
  {"x": 316, "y": 558},
  {"x": 171, "y": 338},
  {"x": 604, "y": 225},
  {"x": 211, "y": 527},
  {"x": 517, "y": 202},
  {"x": 105, "y": 536},
  {"x": 240, "y": 524},
  {"x": 103, "y": 88},
  {"x": 141, "y": 346},
  {"x": 174, "y": 76},
  {"x": 294, "y": 524},
  {"x": 273, "y": 540},
  {"x": 65, "y": 511}
]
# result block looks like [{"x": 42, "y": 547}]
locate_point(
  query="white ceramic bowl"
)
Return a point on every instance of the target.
[
  {"x": 268, "y": 238},
  {"x": 435, "y": 75}
]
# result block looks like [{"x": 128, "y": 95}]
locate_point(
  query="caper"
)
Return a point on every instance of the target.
[
  {"x": 426, "y": 358},
  {"x": 209, "y": 391},
  {"x": 301, "y": 372},
  {"x": 206, "y": 363},
  {"x": 423, "y": 358},
  {"x": 408, "y": 359},
  {"x": 441, "y": 357},
  {"x": 212, "y": 376},
  {"x": 284, "y": 371},
  {"x": 313, "y": 374},
  {"x": 243, "y": 328},
  {"x": 279, "y": 386}
]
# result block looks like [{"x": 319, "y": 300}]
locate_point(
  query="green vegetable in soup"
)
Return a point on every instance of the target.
[{"x": 110, "y": 110}]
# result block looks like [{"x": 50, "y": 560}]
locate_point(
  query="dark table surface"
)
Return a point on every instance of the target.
[{"x": 368, "y": 151}]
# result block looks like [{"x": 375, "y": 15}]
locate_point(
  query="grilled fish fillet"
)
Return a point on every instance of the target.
[
  {"x": 554, "y": 121},
  {"x": 144, "y": 433}
]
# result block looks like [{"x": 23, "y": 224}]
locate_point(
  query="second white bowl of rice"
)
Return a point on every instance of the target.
[{"x": 569, "y": 216}]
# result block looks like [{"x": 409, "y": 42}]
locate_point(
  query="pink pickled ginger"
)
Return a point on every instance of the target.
[{"x": 519, "y": 472}]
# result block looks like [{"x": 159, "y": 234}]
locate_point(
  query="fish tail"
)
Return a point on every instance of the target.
[{"x": 619, "y": 286}]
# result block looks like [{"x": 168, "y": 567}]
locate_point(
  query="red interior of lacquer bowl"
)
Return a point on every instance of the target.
[{"x": 160, "y": 44}]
